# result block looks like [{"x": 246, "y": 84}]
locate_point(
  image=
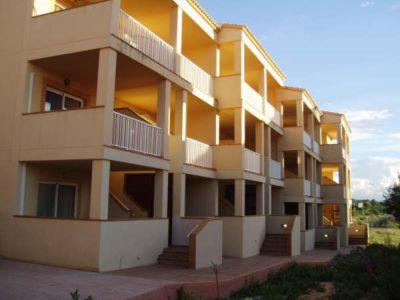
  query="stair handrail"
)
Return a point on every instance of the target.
[{"x": 121, "y": 203}]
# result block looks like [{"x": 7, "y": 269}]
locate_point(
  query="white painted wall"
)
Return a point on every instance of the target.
[{"x": 209, "y": 245}]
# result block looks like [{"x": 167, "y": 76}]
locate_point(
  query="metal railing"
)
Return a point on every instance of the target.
[
  {"x": 132, "y": 134},
  {"x": 252, "y": 161},
  {"x": 143, "y": 39},
  {"x": 275, "y": 169},
  {"x": 194, "y": 74},
  {"x": 307, "y": 188},
  {"x": 307, "y": 140},
  {"x": 252, "y": 97},
  {"x": 198, "y": 153}
]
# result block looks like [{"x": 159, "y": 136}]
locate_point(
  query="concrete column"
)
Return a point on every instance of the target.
[
  {"x": 240, "y": 194},
  {"x": 163, "y": 113},
  {"x": 260, "y": 143},
  {"x": 299, "y": 113},
  {"x": 268, "y": 199},
  {"x": 302, "y": 213},
  {"x": 161, "y": 194},
  {"x": 176, "y": 29},
  {"x": 267, "y": 150},
  {"x": 240, "y": 126},
  {"x": 262, "y": 84},
  {"x": 238, "y": 63},
  {"x": 281, "y": 159},
  {"x": 313, "y": 176},
  {"x": 180, "y": 123},
  {"x": 301, "y": 164},
  {"x": 215, "y": 188},
  {"x": 217, "y": 62},
  {"x": 20, "y": 207},
  {"x": 339, "y": 133},
  {"x": 215, "y": 127},
  {"x": 99, "y": 190},
  {"x": 260, "y": 198},
  {"x": 179, "y": 191},
  {"x": 106, "y": 89}
]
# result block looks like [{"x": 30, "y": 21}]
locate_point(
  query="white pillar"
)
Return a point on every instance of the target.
[
  {"x": 302, "y": 213},
  {"x": 161, "y": 194},
  {"x": 179, "y": 191},
  {"x": 299, "y": 113},
  {"x": 20, "y": 208},
  {"x": 106, "y": 89},
  {"x": 268, "y": 199},
  {"x": 99, "y": 190},
  {"x": 215, "y": 188},
  {"x": 239, "y": 126},
  {"x": 260, "y": 198},
  {"x": 260, "y": 143},
  {"x": 239, "y": 55},
  {"x": 240, "y": 194},
  {"x": 176, "y": 29},
  {"x": 163, "y": 113},
  {"x": 180, "y": 123}
]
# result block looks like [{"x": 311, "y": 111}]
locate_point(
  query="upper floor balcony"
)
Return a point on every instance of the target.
[
  {"x": 335, "y": 142},
  {"x": 92, "y": 24}
]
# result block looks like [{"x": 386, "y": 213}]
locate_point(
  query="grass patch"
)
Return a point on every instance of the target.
[
  {"x": 384, "y": 236},
  {"x": 371, "y": 273}
]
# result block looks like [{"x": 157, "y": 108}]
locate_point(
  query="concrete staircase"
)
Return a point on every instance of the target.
[
  {"x": 175, "y": 255},
  {"x": 277, "y": 245}
]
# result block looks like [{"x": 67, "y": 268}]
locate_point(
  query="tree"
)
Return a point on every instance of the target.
[{"x": 392, "y": 199}]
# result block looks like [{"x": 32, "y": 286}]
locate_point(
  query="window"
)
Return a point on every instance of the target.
[
  {"x": 57, "y": 200},
  {"x": 58, "y": 100}
]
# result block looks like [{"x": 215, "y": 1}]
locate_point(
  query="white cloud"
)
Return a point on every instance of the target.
[
  {"x": 367, "y": 3},
  {"x": 367, "y": 115},
  {"x": 365, "y": 188},
  {"x": 395, "y": 135},
  {"x": 395, "y": 7}
]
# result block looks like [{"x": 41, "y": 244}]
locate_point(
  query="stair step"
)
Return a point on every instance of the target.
[
  {"x": 173, "y": 262},
  {"x": 276, "y": 245},
  {"x": 177, "y": 249},
  {"x": 175, "y": 255}
]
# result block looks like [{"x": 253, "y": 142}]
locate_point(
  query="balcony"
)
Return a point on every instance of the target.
[
  {"x": 141, "y": 38},
  {"x": 252, "y": 161},
  {"x": 318, "y": 191},
  {"x": 198, "y": 154},
  {"x": 307, "y": 188},
  {"x": 134, "y": 135},
  {"x": 336, "y": 193},
  {"x": 252, "y": 98},
  {"x": 307, "y": 139},
  {"x": 273, "y": 114},
  {"x": 316, "y": 147},
  {"x": 275, "y": 169}
]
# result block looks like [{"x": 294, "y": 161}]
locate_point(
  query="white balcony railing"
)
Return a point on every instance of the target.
[
  {"x": 194, "y": 74},
  {"x": 198, "y": 153},
  {"x": 307, "y": 140},
  {"x": 252, "y": 161},
  {"x": 275, "y": 169},
  {"x": 252, "y": 97},
  {"x": 272, "y": 113},
  {"x": 307, "y": 188},
  {"x": 141, "y": 38},
  {"x": 316, "y": 147},
  {"x": 132, "y": 134},
  {"x": 318, "y": 190}
]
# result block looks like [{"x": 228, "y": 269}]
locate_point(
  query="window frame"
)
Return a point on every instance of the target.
[
  {"x": 57, "y": 184},
  {"x": 64, "y": 94}
]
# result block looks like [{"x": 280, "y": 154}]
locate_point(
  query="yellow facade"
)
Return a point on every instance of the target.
[{"x": 131, "y": 121}]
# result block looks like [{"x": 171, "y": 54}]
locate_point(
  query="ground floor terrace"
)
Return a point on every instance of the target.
[{"x": 28, "y": 281}]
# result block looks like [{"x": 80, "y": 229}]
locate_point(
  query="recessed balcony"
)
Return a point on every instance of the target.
[
  {"x": 252, "y": 161},
  {"x": 135, "y": 135},
  {"x": 273, "y": 114},
  {"x": 252, "y": 98},
  {"x": 275, "y": 169},
  {"x": 198, "y": 154}
]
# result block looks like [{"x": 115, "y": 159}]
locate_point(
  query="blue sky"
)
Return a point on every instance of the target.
[{"x": 347, "y": 54}]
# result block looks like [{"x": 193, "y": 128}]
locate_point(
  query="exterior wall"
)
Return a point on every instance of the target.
[
  {"x": 201, "y": 197},
  {"x": 209, "y": 245},
  {"x": 243, "y": 236},
  {"x": 128, "y": 244},
  {"x": 307, "y": 240},
  {"x": 64, "y": 243}
]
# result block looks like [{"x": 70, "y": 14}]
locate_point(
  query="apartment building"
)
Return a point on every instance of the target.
[{"x": 137, "y": 132}]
